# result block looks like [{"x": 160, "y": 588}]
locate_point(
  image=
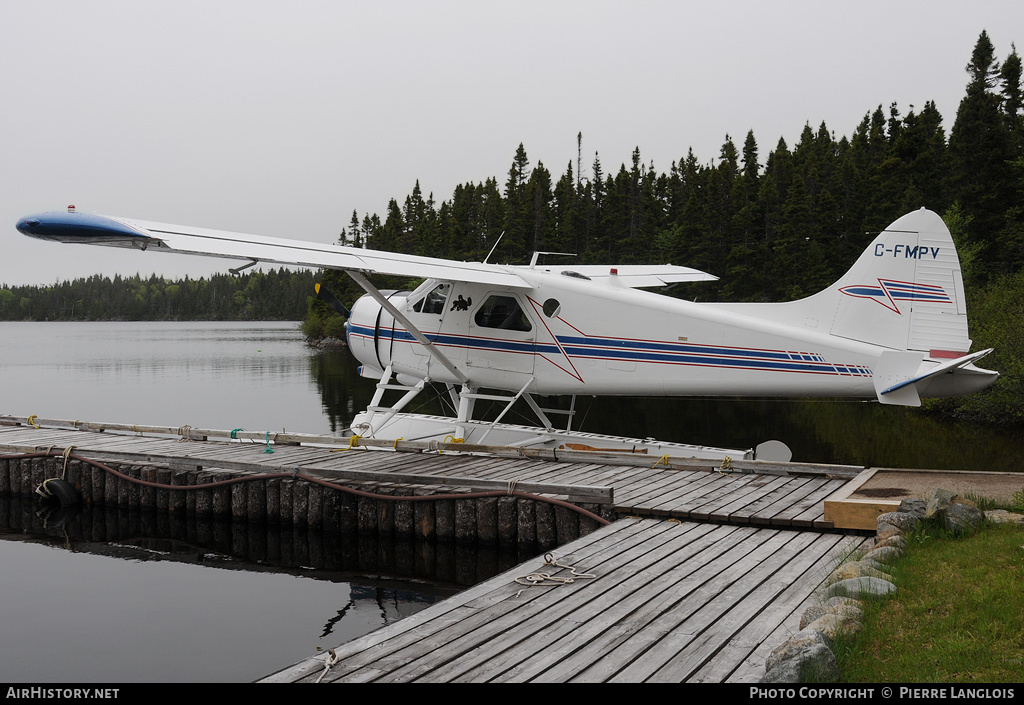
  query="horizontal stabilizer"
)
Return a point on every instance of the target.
[
  {"x": 897, "y": 364},
  {"x": 892, "y": 375}
]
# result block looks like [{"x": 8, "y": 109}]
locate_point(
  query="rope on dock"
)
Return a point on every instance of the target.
[
  {"x": 308, "y": 478},
  {"x": 539, "y": 579},
  {"x": 331, "y": 659}
]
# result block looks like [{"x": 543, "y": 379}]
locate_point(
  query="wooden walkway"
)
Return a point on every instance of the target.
[
  {"x": 708, "y": 572},
  {"x": 699, "y": 494},
  {"x": 671, "y": 602}
]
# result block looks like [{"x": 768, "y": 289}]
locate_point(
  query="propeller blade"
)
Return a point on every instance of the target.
[{"x": 331, "y": 300}]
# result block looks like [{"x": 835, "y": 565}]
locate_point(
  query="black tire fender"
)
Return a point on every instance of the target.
[{"x": 61, "y": 490}]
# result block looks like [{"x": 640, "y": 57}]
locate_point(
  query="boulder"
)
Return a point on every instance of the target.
[
  {"x": 917, "y": 507},
  {"x": 938, "y": 500},
  {"x": 832, "y": 625},
  {"x": 842, "y": 600},
  {"x": 897, "y": 542},
  {"x": 961, "y": 517},
  {"x": 815, "y": 664},
  {"x": 883, "y": 554},
  {"x": 1001, "y": 516},
  {"x": 904, "y": 521},
  {"x": 797, "y": 643},
  {"x": 815, "y": 612},
  {"x": 862, "y": 588}
]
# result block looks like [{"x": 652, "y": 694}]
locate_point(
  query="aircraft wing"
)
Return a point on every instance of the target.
[{"x": 111, "y": 231}]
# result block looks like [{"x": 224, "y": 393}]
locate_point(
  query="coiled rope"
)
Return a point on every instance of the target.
[{"x": 540, "y": 579}]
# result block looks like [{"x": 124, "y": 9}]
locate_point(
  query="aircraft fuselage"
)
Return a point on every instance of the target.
[{"x": 574, "y": 336}]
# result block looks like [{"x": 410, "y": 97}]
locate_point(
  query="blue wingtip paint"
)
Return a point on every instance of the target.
[{"x": 59, "y": 226}]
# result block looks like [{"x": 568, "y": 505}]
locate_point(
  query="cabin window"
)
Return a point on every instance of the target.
[
  {"x": 503, "y": 312},
  {"x": 434, "y": 301},
  {"x": 552, "y": 307}
]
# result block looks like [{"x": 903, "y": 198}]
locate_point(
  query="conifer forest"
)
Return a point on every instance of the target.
[{"x": 773, "y": 224}]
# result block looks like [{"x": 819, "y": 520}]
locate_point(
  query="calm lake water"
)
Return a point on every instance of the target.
[{"x": 144, "y": 601}]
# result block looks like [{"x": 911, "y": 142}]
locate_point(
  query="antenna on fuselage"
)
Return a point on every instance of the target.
[{"x": 495, "y": 247}]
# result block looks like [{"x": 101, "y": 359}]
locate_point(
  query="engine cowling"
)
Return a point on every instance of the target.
[{"x": 370, "y": 332}]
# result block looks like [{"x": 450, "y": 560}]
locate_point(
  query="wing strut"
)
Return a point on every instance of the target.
[{"x": 413, "y": 330}]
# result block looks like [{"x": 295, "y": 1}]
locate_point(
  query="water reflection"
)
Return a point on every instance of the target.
[
  {"x": 136, "y": 534},
  {"x": 129, "y": 595}
]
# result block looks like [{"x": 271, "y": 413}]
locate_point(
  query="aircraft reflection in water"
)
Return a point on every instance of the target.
[{"x": 893, "y": 328}]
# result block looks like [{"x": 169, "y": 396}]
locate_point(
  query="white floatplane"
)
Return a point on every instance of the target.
[{"x": 893, "y": 328}]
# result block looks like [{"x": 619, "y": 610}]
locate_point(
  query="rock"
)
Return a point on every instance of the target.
[
  {"x": 832, "y": 625},
  {"x": 1001, "y": 516},
  {"x": 897, "y": 542},
  {"x": 883, "y": 554},
  {"x": 864, "y": 588},
  {"x": 938, "y": 500},
  {"x": 842, "y": 600},
  {"x": 856, "y": 569},
  {"x": 797, "y": 643},
  {"x": 814, "y": 613},
  {"x": 904, "y": 521},
  {"x": 884, "y": 532},
  {"x": 917, "y": 507},
  {"x": 960, "y": 517},
  {"x": 877, "y": 565},
  {"x": 815, "y": 664}
]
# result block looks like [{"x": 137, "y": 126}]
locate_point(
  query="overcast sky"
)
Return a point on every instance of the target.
[{"x": 281, "y": 118}]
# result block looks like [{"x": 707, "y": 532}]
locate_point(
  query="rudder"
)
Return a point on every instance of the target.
[{"x": 906, "y": 291}]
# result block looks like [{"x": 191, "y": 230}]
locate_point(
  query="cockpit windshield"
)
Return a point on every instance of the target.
[{"x": 434, "y": 301}]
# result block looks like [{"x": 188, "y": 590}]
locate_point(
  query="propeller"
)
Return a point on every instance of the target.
[{"x": 331, "y": 300}]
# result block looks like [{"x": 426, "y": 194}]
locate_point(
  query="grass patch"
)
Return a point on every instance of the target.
[{"x": 957, "y": 617}]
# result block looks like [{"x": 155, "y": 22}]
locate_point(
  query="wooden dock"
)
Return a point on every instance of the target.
[
  {"x": 705, "y": 570},
  {"x": 764, "y": 494},
  {"x": 669, "y": 602}
]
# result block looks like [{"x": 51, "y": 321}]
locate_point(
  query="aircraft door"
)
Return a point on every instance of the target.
[{"x": 502, "y": 335}]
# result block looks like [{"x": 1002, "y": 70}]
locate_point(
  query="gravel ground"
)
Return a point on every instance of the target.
[{"x": 911, "y": 484}]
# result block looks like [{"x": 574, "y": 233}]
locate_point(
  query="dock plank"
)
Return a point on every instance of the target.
[
  {"x": 686, "y": 612},
  {"x": 695, "y": 591},
  {"x": 556, "y": 619},
  {"x": 689, "y": 641},
  {"x": 367, "y": 651},
  {"x": 613, "y": 617},
  {"x": 750, "y": 646},
  {"x": 647, "y": 491},
  {"x": 509, "y": 615}
]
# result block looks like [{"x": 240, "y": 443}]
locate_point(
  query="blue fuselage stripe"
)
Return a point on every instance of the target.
[{"x": 637, "y": 350}]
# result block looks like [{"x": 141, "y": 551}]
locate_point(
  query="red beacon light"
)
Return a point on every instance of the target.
[{"x": 71, "y": 209}]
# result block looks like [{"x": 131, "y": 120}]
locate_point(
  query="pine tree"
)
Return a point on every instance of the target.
[
  {"x": 518, "y": 221},
  {"x": 980, "y": 152}
]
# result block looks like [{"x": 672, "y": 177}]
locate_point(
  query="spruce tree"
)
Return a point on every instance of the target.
[{"x": 980, "y": 153}]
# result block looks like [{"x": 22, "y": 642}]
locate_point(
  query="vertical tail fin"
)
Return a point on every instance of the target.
[
  {"x": 905, "y": 294},
  {"x": 906, "y": 291}
]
